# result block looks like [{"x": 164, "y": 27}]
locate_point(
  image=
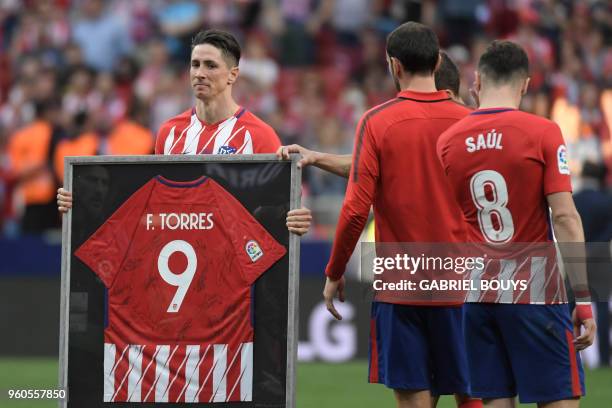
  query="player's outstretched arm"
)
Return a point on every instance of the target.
[
  {"x": 299, "y": 220},
  {"x": 570, "y": 236},
  {"x": 64, "y": 200},
  {"x": 339, "y": 164}
]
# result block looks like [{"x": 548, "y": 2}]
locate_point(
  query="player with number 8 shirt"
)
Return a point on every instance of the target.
[{"x": 506, "y": 168}]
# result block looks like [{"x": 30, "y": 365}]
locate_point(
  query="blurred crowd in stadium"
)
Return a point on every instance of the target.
[{"x": 85, "y": 77}]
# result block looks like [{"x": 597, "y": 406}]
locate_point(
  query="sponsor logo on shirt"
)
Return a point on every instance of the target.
[
  {"x": 227, "y": 150},
  {"x": 562, "y": 160},
  {"x": 253, "y": 250}
]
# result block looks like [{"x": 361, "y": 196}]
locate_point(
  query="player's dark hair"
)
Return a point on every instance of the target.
[
  {"x": 504, "y": 61},
  {"x": 415, "y": 46},
  {"x": 447, "y": 76},
  {"x": 222, "y": 40}
]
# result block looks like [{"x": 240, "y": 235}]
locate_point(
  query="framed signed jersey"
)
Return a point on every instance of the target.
[{"x": 177, "y": 280}]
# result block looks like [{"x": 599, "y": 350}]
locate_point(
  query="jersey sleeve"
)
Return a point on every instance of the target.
[
  {"x": 105, "y": 251},
  {"x": 161, "y": 137},
  {"x": 256, "y": 250},
  {"x": 266, "y": 141},
  {"x": 556, "y": 166},
  {"x": 360, "y": 191},
  {"x": 442, "y": 150}
]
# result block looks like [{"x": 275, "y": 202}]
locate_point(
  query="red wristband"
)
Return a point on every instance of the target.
[{"x": 584, "y": 312}]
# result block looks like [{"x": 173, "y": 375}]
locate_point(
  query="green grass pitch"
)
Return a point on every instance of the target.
[{"x": 319, "y": 385}]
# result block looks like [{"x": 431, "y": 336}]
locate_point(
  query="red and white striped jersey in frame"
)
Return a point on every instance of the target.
[
  {"x": 190, "y": 373},
  {"x": 242, "y": 133},
  {"x": 179, "y": 260}
]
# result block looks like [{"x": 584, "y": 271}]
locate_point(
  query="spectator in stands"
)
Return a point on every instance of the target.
[
  {"x": 258, "y": 76},
  {"x": 296, "y": 23},
  {"x": 595, "y": 208},
  {"x": 155, "y": 63},
  {"x": 168, "y": 99},
  {"x": 7, "y": 186},
  {"x": 179, "y": 21},
  {"x": 79, "y": 95},
  {"x": 81, "y": 140},
  {"x": 109, "y": 106},
  {"x": 30, "y": 151},
  {"x": 102, "y": 38},
  {"x": 129, "y": 135}
]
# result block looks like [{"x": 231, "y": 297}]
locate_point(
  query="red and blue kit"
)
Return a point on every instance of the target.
[
  {"x": 396, "y": 171},
  {"x": 501, "y": 164}
]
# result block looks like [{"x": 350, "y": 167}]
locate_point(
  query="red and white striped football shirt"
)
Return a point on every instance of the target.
[
  {"x": 242, "y": 133},
  {"x": 179, "y": 259}
]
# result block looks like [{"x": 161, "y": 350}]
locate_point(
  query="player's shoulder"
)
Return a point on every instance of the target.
[
  {"x": 255, "y": 124},
  {"x": 250, "y": 119},
  {"x": 529, "y": 120},
  {"x": 465, "y": 121},
  {"x": 264, "y": 137},
  {"x": 396, "y": 109},
  {"x": 383, "y": 108},
  {"x": 171, "y": 127},
  {"x": 515, "y": 118},
  {"x": 449, "y": 111},
  {"x": 381, "y": 113},
  {"x": 530, "y": 126},
  {"x": 458, "y": 108}
]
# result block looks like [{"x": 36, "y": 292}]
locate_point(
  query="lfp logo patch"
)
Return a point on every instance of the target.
[
  {"x": 227, "y": 150},
  {"x": 562, "y": 161},
  {"x": 253, "y": 250}
]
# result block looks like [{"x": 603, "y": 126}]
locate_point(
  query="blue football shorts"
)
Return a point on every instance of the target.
[
  {"x": 522, "y": 349},
  {"x": 418, "y": 348}
]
